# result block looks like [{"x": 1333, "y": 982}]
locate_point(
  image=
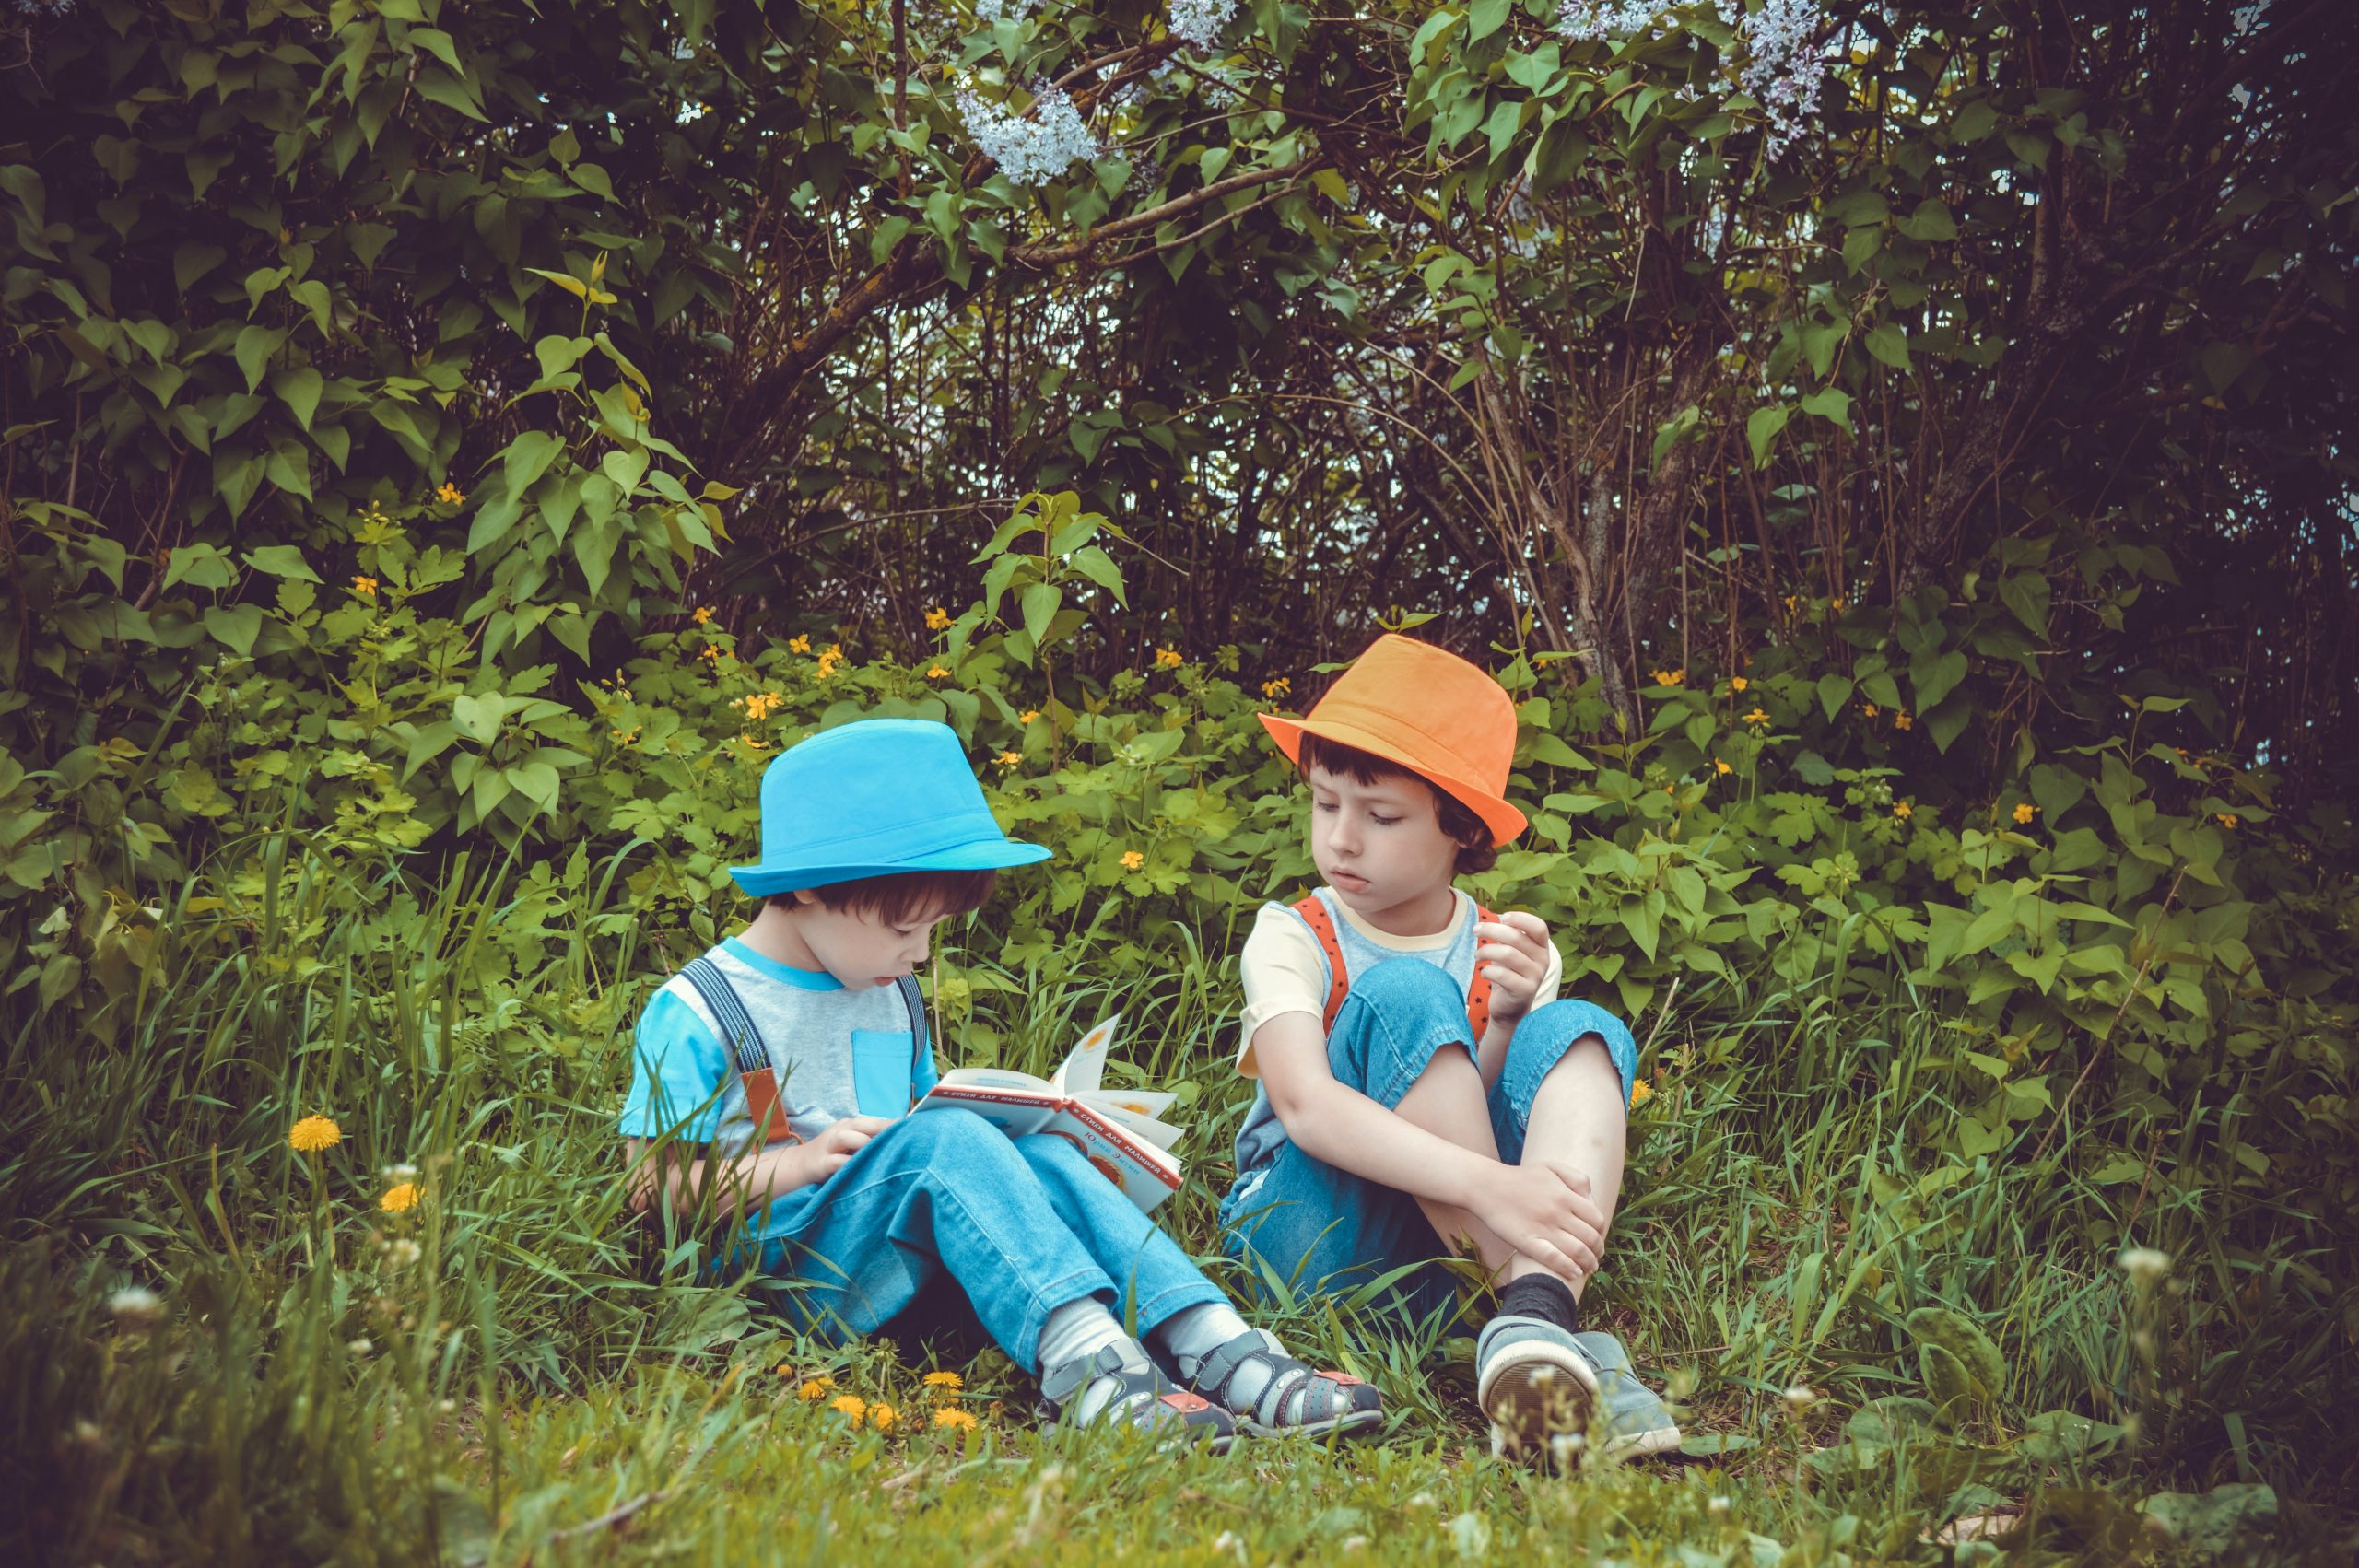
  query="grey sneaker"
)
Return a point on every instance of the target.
[{"x": 1538, "y": 1384}]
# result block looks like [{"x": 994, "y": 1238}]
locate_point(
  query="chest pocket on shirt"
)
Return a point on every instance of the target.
[{"x": 882, "y": 1061}]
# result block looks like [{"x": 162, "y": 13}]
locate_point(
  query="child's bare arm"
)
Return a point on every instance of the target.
[{"x": 753, "y": 1179}]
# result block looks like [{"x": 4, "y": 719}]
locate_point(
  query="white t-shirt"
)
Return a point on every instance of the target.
[{"x": 1284, "y": 970}]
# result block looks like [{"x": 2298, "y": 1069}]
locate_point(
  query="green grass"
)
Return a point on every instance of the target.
[{"x": 549, "y": 1379}]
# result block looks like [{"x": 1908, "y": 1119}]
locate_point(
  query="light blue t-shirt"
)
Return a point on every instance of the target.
[{"x": 837, "y": 1052}]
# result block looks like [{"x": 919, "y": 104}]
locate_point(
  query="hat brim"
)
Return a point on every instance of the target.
[
  {"x": 986, "y": 855},
  {"x": 1505, "y": 822}
]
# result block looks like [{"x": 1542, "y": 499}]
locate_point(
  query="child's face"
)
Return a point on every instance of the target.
[
  {"x": 1378, "y": 845},
  {"x": 859, "y": 948}
]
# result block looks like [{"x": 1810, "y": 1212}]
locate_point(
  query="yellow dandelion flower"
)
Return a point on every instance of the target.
[
  {"x": 798, "y": 645},
  {"x": 1758, "y": 716},
  {"x": 1719, "y": 766},
  {"x": 1009, "y": 759},
  {"x": 1028, "y": 715},
  {"x": 816, "y": 1389},
  {"x": 400, "y": 1198},
  {"x": 704, "y": 615},
  {"x": 2025, "y": 811},
  {"x": 1133, "y": 860},
  {"x": 450, "y": 494},
  {"x": 949, "y": 1381},
  {"x": 1872, "y": 710},
  {"x": 936, "y": 619},
  {"x": 2228, "y": 819},
  {"x": 936, "y": 673},
  {"x": 1640, "y": 1093},
  {"x": 851, "y": 1405},
  {"x": 958, "y": 1421},
  {"x": 315, "y": 1134},
  {"x": 881, "y": 1417},
  {"x": 365, "y": 586},
  {"x": 1277, "y": 688},
  {"x": 1903, "y": 809}
]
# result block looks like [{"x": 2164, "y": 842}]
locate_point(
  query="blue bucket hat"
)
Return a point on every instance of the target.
[{"x": 872, "y": 798}]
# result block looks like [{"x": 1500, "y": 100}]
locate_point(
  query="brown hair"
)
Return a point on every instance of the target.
[
  {"x": 1459, "y": 823},
  {"x": 899, "y": 896}
]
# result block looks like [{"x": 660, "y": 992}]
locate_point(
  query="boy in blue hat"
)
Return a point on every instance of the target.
[{"x": 781, "y": 1065}]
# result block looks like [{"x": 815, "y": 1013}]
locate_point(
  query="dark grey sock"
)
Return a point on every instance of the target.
[{"x": 1543, "y": 1296}]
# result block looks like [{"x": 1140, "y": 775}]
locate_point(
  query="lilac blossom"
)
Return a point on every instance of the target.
[
  {"x": 1783, "y": 66},
  {"x": 1593, "y": 21},
  {"x": 1029, "y": 151},
  {"x": 1199, "y": 21}
]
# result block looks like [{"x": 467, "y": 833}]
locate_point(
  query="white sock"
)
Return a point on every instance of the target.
[
  {"x": 1197, "y": 1331},
  {"x": 1076, "y": 1332}
]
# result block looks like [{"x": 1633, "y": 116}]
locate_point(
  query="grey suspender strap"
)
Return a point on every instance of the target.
[
  {"x": 914, "y": 999},
  {"x": 739, "y": 1035}
]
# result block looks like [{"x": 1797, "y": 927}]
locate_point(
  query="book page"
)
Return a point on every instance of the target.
[
  {"x": 1016, "y": 1112},
  {"x": 1145, "y": 1174},
  {"x": 997, "y": 1078},
  {"x": 1084, "y": 1067}
]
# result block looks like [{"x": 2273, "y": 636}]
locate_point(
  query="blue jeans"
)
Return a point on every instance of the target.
[
  {"x": 1321, "y": 1228},
  {"x": 1021, "y": 1226}
]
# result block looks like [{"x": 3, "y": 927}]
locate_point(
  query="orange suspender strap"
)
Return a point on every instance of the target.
[{"x": 1339, "y": 984}]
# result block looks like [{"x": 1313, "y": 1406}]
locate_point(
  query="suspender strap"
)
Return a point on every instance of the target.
[
  {"x": 1339, "y": 983},
  {"x": 742, "y": 1040},
  {"x": 914, "y": 999}
]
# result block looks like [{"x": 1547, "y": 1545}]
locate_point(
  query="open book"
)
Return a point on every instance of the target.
[{"x": 1115, "y": 1128}]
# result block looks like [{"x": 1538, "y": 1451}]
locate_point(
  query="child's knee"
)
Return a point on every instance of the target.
[{"x": 947, "y": 1132}]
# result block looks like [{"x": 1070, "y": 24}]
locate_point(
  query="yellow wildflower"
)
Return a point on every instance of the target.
[
  {"x": 798, "y": 644},
  {"x": 948, "y": 1381},
  {"x": 1903, "y": 809},
  {"x": 450, "y": 494},
  {"x": 365, "y": 586},
  {"x": 400, "y": 1198},
  {"x": 1640, "y": 1093},
  {"x": 1719, "y": 766},
  {"x": 1758, "y": 716},
  {"x": 958, "y": 1421},
  {"x": 704, "y": 615},
  {"x": 2025, "y": 811},
  {"x": 1738, "y": 683},
  {"x": 937, "y": 673},
  {"x": 1133, "y": 860},
  {"x": 1277, "y": 688},
  {"x": 710, "y": 652},
  {"x": 1009, "y": 759},
  {"x": 2228, "y": 819},
  {"x": 1791, "y": 600},
  {"x": 881, "y": 1417},
  {"x": 851, "y": 1405},
  {"x": 1840, "y": 602},
  {"x": 1900, "y": 719},
  {"x": 816, "y": 1389},
  {"x": 1872, "y": 710},
  {"x": 1028, "y": 715},
  {"x": 936, "y": 619},
  {"x": 751, "y": 743},
  {"x": 1167, "y": 659},
  {"x": 315, "y": 1134}
]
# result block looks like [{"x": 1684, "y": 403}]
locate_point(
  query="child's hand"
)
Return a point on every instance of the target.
[
  {"x": 1545, "y": 1211},
  {"x": 1513, "y": 950},
  {"x": 825, "y": 1155}
]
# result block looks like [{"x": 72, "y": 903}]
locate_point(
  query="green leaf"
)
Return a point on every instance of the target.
[
  {"x": 1041, "y": 603},
  {"x": 1484, "y": 17},
  {"x": 299, "y": 389},
  {"x": 1930, "y": 221},
  {"x": 437, "y": 86},
  {"x": 1889, "y": 344},
  {"x": 1834, "y": 691},
  {"x": 1761, "y": 428},
  {"x": 1958, "y": 1360},
  {"x": 255, "y": 347},
  {"x": 281, "y": 560},
  {"x": 2026, "y": 594},
  {"x": 1831, "y": 403},
  {"x": 1934, "y": 677},
  {"x": 478, "y": 717},
  {"x": 236, "y": 626}
]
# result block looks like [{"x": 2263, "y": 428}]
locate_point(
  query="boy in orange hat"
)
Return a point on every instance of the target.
[{"x": 1406, "y": 1108}]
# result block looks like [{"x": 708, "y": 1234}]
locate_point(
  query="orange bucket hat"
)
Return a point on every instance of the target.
[{"x": 1429, "y": 710}]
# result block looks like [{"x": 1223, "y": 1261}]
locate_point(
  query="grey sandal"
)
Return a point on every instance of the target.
[
  {"x": 1274, "y": 1395},
  {"x": 1143, "y": 1396}
]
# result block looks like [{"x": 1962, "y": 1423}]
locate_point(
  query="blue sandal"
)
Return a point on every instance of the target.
[{"x": 1143, "y": 1396}]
